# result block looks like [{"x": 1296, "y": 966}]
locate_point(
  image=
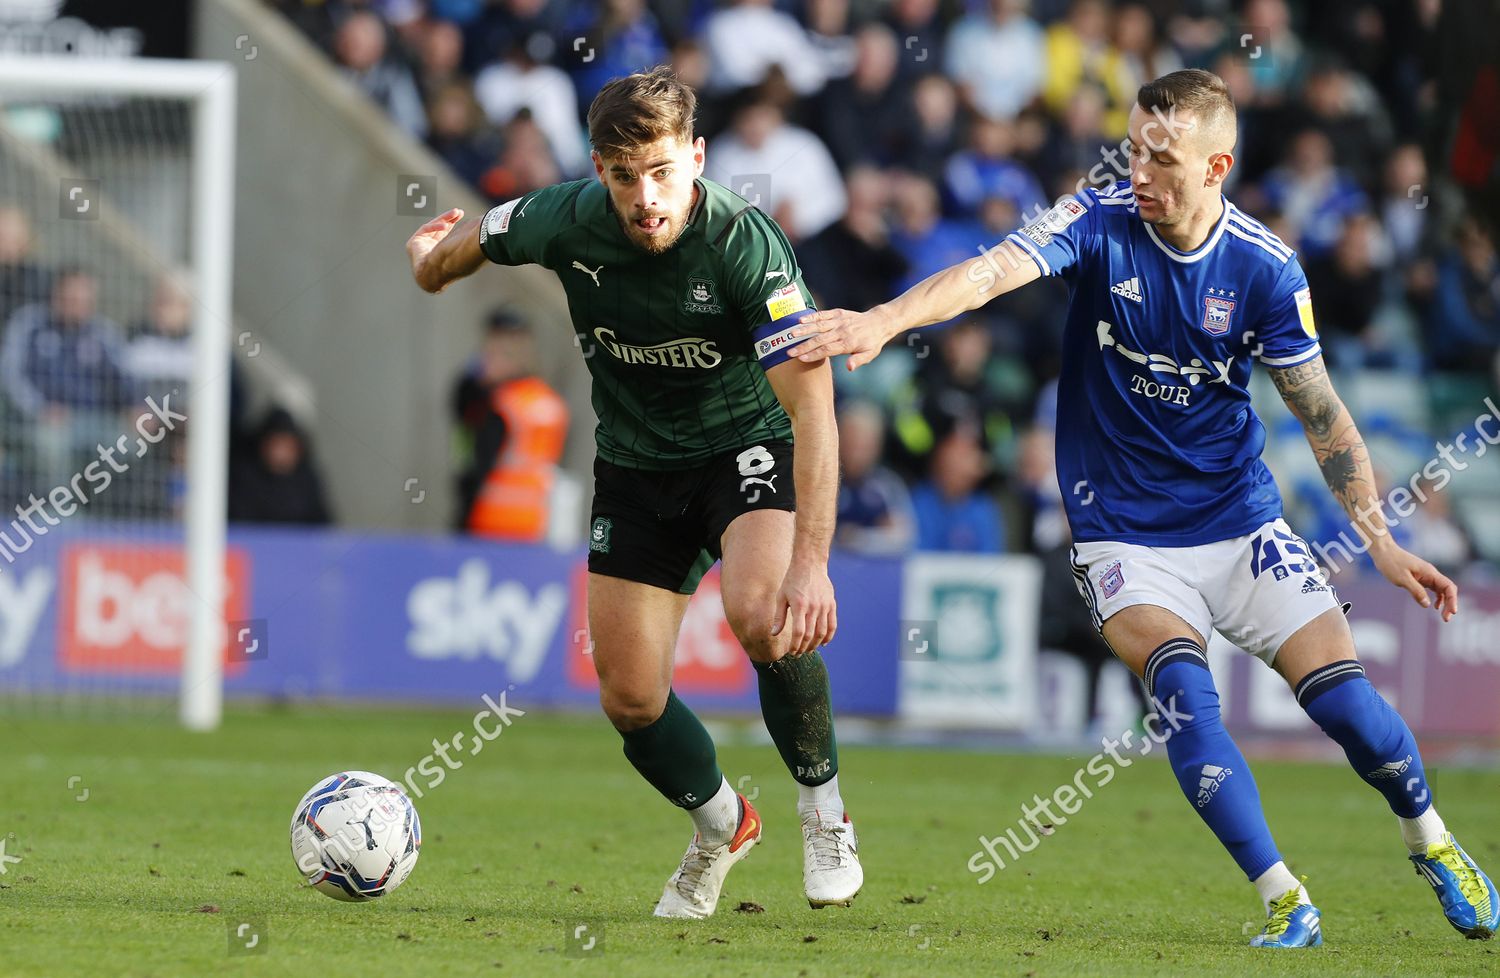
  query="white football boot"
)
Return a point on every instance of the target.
[
  {"x": 831, "y": 874},
  {"x": 692, "y": 893}
]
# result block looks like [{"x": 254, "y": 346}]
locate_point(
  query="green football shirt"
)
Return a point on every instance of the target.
[{"x": 666, "y": 338}]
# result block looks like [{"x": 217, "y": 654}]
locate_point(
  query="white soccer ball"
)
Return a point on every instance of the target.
[{"x": 356, "y": 836}]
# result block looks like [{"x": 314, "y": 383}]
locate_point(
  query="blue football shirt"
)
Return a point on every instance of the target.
[{"x": 1156, "y": 441}]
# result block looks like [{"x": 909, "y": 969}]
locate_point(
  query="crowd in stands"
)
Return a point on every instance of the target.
[
  {"x": 76, "y": 383},
  {"x": 891, "y": 139}
]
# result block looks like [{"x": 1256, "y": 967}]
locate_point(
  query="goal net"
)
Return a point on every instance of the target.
[{"x": 115, "y": 224}]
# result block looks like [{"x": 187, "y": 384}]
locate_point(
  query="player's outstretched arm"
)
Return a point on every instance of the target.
[
  {"x": 936, "y": 299},
  {"x": 805, "y": 605},
  {"x": 1345, "y": 462},
  {"x": 444, "y": 250}
]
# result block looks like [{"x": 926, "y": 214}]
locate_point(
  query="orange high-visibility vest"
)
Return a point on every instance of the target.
[{"x": 512, "y": 503}]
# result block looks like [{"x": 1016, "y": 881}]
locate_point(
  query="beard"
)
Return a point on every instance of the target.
[{"x": 665, "y": 236}]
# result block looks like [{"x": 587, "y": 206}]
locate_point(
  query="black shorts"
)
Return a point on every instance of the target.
[{"x": 663, "y": 527}]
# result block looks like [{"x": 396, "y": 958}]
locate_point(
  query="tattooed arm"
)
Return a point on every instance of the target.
[{"x": 1345, "y": 464}]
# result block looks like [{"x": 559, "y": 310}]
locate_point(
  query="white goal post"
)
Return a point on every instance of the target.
[{"x": 209, "y": 87}]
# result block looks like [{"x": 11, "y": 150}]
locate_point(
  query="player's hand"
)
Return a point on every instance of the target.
[
  {"x": 836, "y": 331},
  {"x": 428, "y": 237},
  {"x": 806, "y": 609},
  {"x": 1417, "y": 576}
]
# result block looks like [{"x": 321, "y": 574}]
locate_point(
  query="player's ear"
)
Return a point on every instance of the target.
[
  {"x": 1219, "y": 165},
  {"x": 598, "y": 165},
  {"x": 698, "y": 150}
]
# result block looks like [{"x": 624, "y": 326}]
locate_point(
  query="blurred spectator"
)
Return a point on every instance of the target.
[
  {"x": 931, "y": 132},
  {"x": 746, "y": 38},
  {"x": 874, "y": 508},
  {"x": 1142, "y": 55},
  {"x": 691, "y": 65},
  {"x": 1465, "y": 326},
  {"x": 63, "y": 355},
  {"x": 1347, "y": 110},
  {"x": 1404, "y": 204},
  {"x": 828, "y": 30},
  {"x": 159, "y": 350},
  {"x": 1434, "y": 533},
  {"x": 928, "y": 241},
  {"x": 521, "y": 83},
  {"x": 63, "y": 371},
  {"x": 987, "y": 169},
  {"x": 860, "y": 116},
  {"x": 789, "y": 166},
  {"x": 920, "y": 29},
  {"x": 998, "y": 58},
  {"x": 1347, "y": 288},
  {"x": 963, "y": 383},
  {"x": 458, "y": 133},
  {"x": 1033, "y": 129},
  {"x": 1075, "y": 145},
  {"x": 272, "y": 479},
  {"x": 1080, "y": 52},
  {"x": 953, "y": 514},
  {"x": 1198, "y": 28},
  {"x": 158, "y": 355},
  {"x": 512, "y": 428},
  {"x": 507, "y": 24},
  {"x": 525, "y": 162},
  {"x": 622, "y": 36},
  {"x": 441, "y": 58},
  {"x": 1273, "y": 50},
  {"x": 1313, "y": 194},
  {"x": 851, "y": 264},
  {"x": 22, "y": 281},
  {"x": 360, "y": 47}
]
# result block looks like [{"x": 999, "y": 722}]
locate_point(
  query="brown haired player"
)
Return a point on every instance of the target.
[{"x": 682, "y": 297}]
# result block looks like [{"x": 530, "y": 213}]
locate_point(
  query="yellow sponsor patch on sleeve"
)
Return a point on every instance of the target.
[
  {"x": 1305, "y": 313},
  {"x": 785, "y": 301}
]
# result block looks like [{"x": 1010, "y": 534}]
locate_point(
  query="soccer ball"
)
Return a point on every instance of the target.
[{"x": 356, "y": 836}]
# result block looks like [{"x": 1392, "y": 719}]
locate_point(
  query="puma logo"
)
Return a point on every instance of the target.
[
  {"x": 752, "y": 480},
  {"x": 592, "y": 273},
  {"x": 775, "y": 272},
  {"x": 522, "y": 211}
]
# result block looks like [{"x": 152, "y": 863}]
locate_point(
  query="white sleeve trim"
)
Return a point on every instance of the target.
[
  {"x": 1036, "y": 256},
  {"x": 1294, "y": 359}
]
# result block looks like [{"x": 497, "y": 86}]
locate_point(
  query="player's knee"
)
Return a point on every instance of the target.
[
  {"x": 631, "y": 709},
  {"x": 751, "y": 621},
  {"x": 1182, "y": 687}
]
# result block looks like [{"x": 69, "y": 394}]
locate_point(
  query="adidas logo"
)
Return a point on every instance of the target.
[
  {"x": 1391, "y": 769},
  {"x": 1209, "y": 781},
  {"x": 1313, "y": 584},
  {"x": 1129, "y": 289}
]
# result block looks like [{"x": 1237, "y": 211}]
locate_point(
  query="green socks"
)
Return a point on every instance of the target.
[
  {"x": 794, "y": 703},
  {"x": 676, "y": 755}
]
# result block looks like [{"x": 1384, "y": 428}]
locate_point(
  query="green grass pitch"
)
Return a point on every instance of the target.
[{"x": 546, "y": 829}]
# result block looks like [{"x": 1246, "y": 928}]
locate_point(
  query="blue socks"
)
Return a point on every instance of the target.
[
  {"x": 1376, "y": 740},
  {"x": 1209, "y": 767}
]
